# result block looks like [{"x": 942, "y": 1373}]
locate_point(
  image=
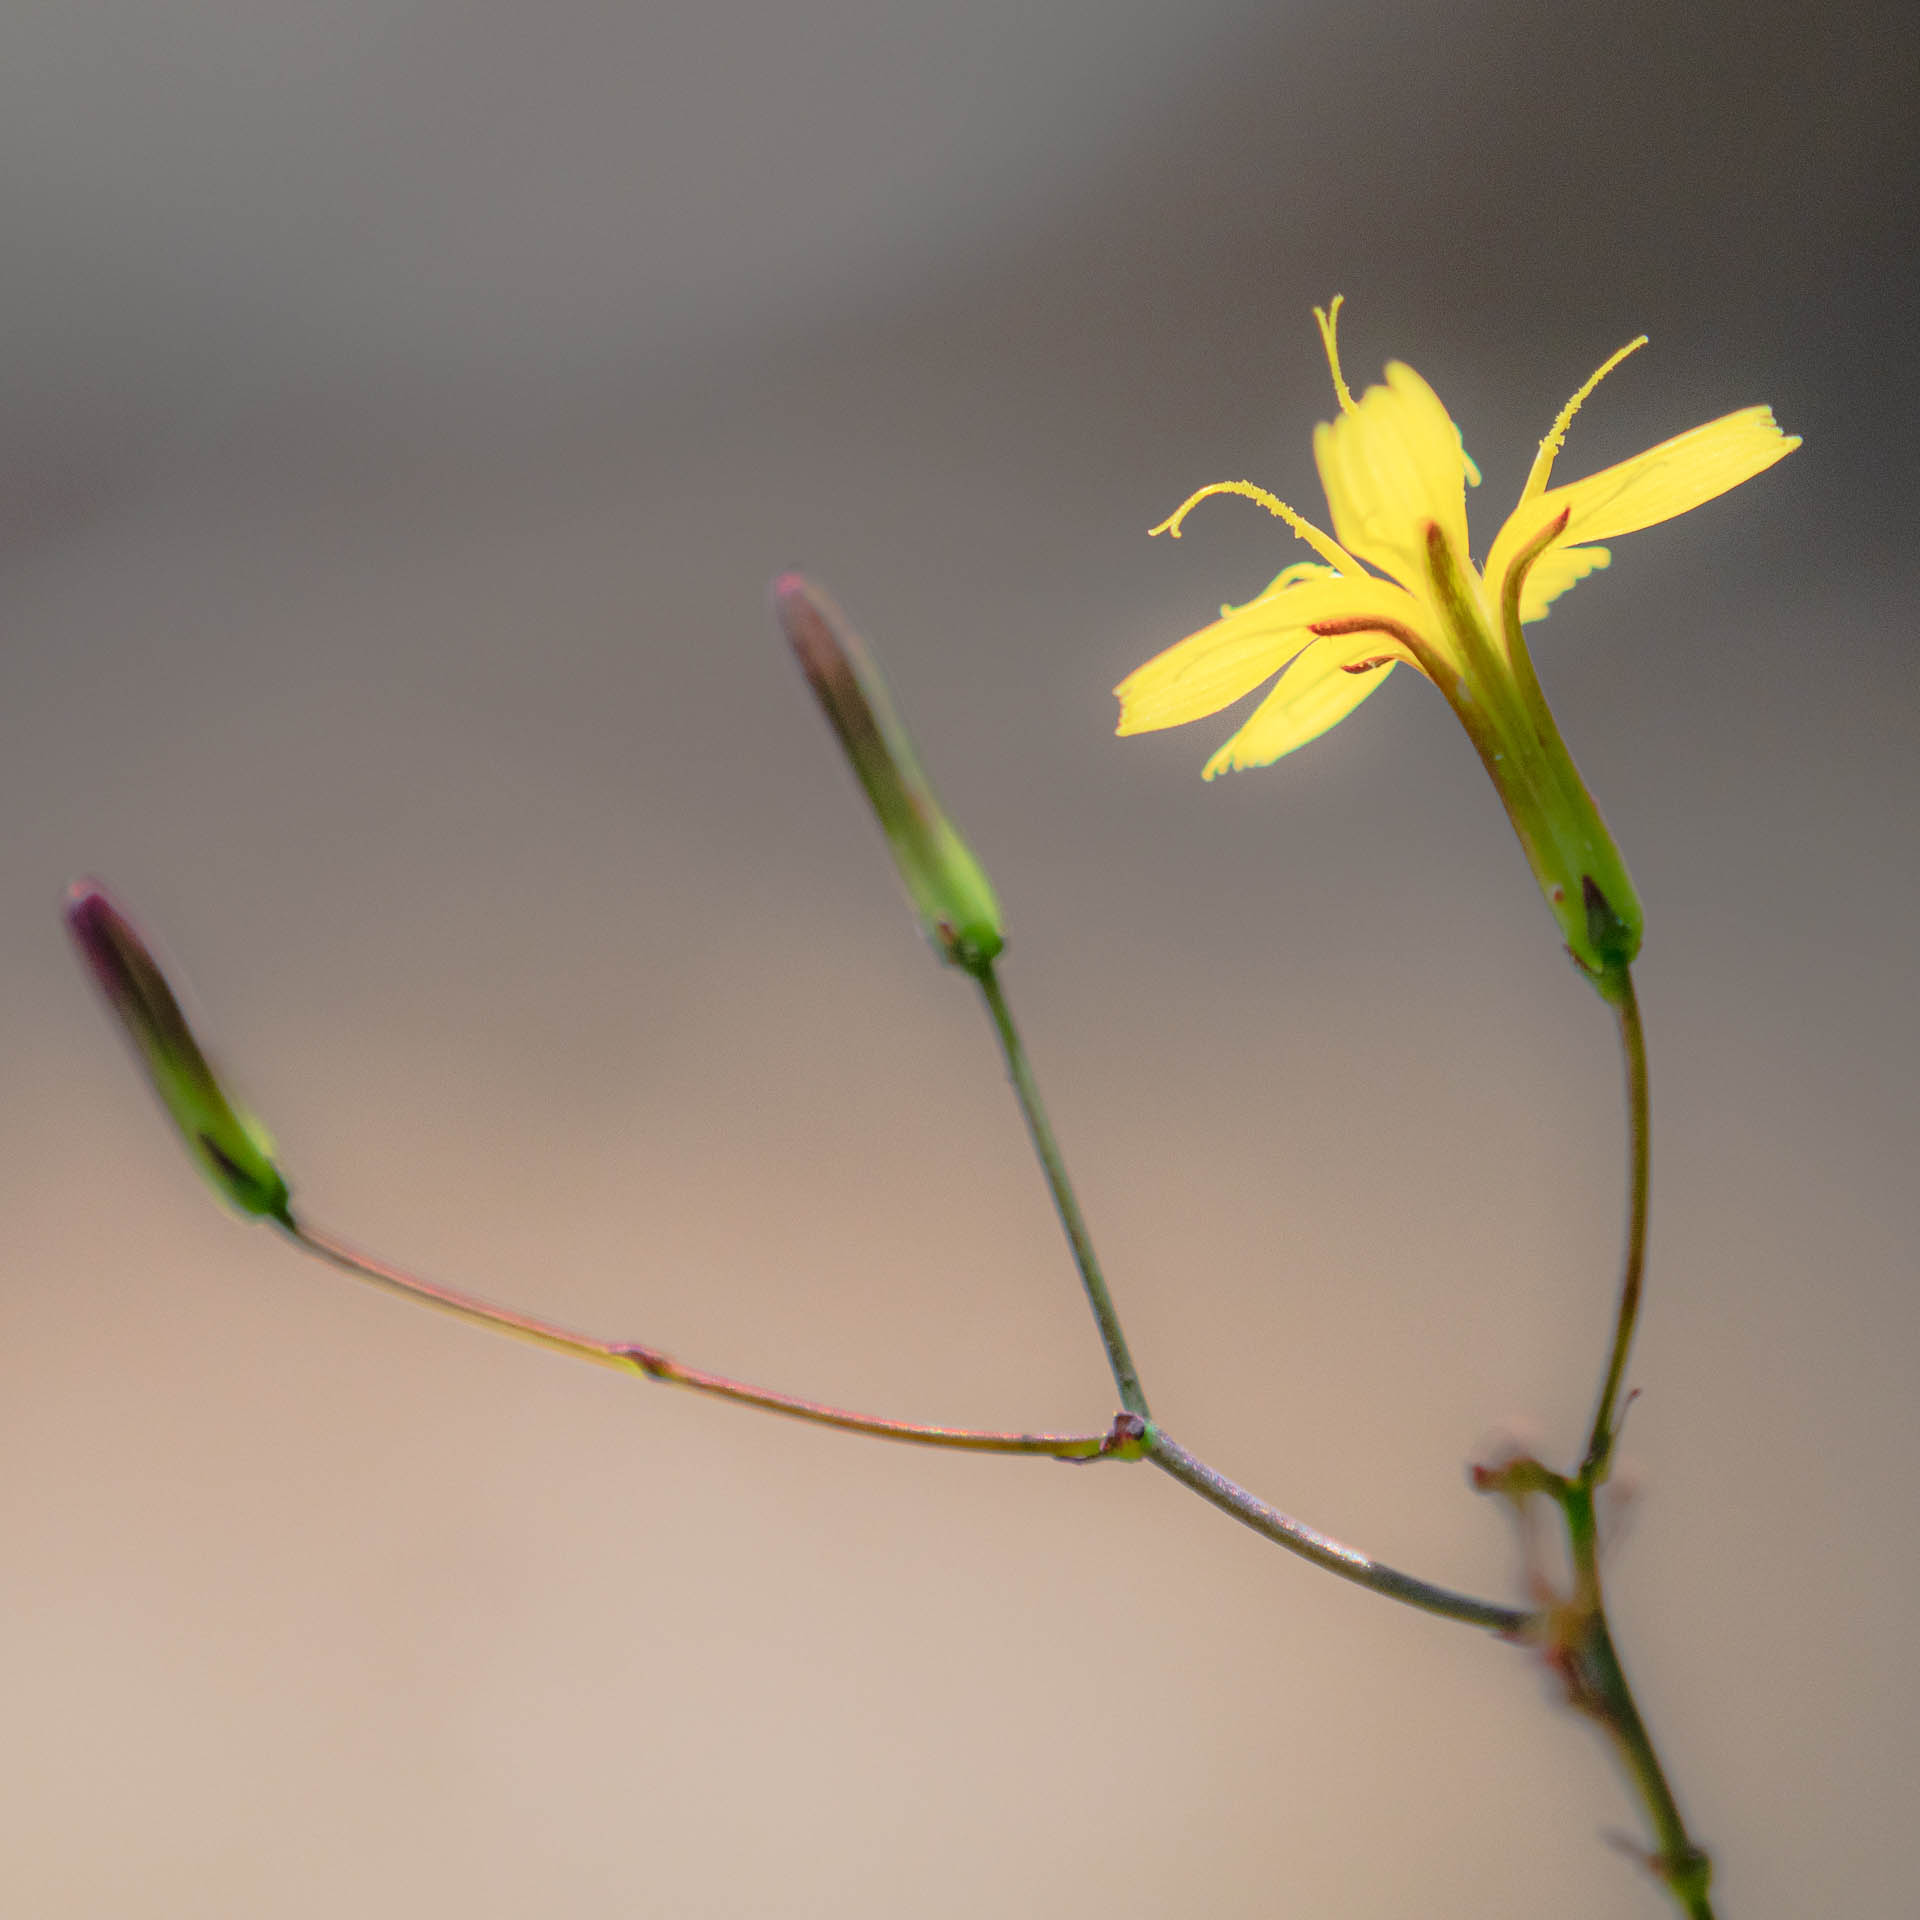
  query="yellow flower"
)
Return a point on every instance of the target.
[{"x": 1396, "y": 475}]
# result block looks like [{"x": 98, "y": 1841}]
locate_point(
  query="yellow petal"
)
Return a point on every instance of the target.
[
  {"x": 1315, "y": 693},
  {"x": 1203, "y": 673},
  {"x": 1672, "y": 478},
  {"x": 1213, "y": 668},
  {"x": 1392, "y": 466},
  {"x": 1553, "y": 573}
]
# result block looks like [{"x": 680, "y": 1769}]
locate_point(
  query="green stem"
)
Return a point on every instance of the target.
[
  {"x": 1633, "y": 1047},
  {"x": 1597, "y": 1684},
  {"x": 632, "y": 1358},
  {"x": 1125, "y": 1375},
  {"x": 1348, "y": 1562},
  {"x": 1589, "y": 1661}
]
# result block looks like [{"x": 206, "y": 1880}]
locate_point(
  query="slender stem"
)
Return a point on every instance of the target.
[
  {"x": 1348, "y": 1562},
  {"x": 1125, "y": 1375},
  {"x": 632, "y": 1358},
  {"x": 1582, "y": 1640},
  {"x": 1598, "y": 1686},
  {"x": 1633, "y": 1047}
]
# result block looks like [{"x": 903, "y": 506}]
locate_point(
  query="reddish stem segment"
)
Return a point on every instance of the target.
[{"x": 629, "y": 1356}]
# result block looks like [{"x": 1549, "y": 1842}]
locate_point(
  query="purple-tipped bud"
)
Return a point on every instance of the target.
[
  {"x": 231, "y": 1149},
  {"x": 949, "y": 890}
]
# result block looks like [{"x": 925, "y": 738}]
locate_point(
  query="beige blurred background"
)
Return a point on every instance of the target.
[{"x": 402, "y": 408}]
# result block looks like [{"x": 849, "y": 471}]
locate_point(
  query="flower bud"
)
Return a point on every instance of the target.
[
  {"x": 951, "y": 893},
  {"x": 232, "y": 1150}
]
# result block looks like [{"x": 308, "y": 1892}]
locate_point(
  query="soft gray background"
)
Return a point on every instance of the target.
[{"x": 402, "y": 408}]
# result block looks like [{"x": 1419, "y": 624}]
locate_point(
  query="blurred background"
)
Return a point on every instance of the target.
[{"x": 402, "y": 409}]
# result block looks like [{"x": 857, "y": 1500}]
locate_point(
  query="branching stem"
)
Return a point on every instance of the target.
[
  {"x": 1131, "y": 1437},
  {"x": 1578, "y": 1638},
  {"x": 1597, "y": 1685}
]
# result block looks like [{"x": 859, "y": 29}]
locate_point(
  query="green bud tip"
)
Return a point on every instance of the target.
[
  {"x": 232, "y": 1150},
  {"x": 948, "y": 888}
]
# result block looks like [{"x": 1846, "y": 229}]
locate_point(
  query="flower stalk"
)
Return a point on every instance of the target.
[
  {"x": 1126, "y": 1376},
  {"x": 1633, "y": 1051}
]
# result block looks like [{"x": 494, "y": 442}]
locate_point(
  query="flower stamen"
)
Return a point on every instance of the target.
[
  {"x": 1557, "y": 433},
  {"x": 1335, "y": 555}
]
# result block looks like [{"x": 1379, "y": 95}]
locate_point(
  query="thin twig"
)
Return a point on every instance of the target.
[
  {"x": 1348, "y": 1562},
  {"x": 1126, "y": 1377},
  {"x": 633, "y": 1358},
  {"x": 1633, "y": 1048}
]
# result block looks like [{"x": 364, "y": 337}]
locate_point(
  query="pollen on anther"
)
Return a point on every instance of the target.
[
  {"x": 1329, "y": 550},
  {"x": 1329, "y": 319},
  {"x": 1557, "y": 433}
]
